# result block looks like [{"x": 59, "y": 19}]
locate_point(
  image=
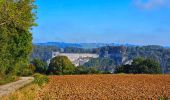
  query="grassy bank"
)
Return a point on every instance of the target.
[
  {"x": 27, "y": 93},
  {"x": 8, "y": 79},
  {"x": 30, "y": 91}
]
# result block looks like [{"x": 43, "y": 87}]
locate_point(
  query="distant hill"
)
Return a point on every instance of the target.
[
  {"x": 80, "y": 45},
  {"x": 119, "y": 54},
  {"x": 59, "y": 44}
]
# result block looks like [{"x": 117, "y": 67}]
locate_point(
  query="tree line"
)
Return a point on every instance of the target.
[
  {"x": 16, "y": 20},
  {"x": 61, "y": 65},
  {"x": 113, "y": 53}
]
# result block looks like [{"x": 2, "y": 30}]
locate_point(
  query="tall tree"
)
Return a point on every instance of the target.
[{"x": 16, "y": 20}]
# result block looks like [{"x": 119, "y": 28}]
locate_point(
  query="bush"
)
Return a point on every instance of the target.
[
  {"x": 81, "y": 70},
  {"x": 106, "y": 72},
  {"x": 60, "y": 65},
  {"x": 40, "y": 79},
  {"x": 86, "y": 70},
  {"x": 25, "y": 71},
  {"x": 40, "y": 66},
  {"x": 93, "y": 70},
  {"x": 141, "y": 66},
  {"x": 8, "y": 79}
]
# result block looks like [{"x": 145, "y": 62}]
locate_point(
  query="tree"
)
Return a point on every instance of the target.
[
  {"x": 60, "y": 65},
  {"x": 141, "y": 66},
  {"x": 102, "y": 64},
  {"x": 16, "y": 20},
  {"x": 40, "y": 66},
  {"x": 81, "y": 70},
  {"x": 25, "y": 71},
  {"x": 153, "y": 66},
  {"x": 86, "y": 70}
]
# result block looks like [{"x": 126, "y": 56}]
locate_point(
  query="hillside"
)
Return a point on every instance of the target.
[
  {"x": 80, "y": 45},
  {"x": 119, "y": 54}
]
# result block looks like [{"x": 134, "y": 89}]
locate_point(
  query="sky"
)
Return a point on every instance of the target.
[{"x": 139, "y": 22}]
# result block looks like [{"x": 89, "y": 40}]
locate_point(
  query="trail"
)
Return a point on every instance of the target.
[{"x": 11, "y": 87}]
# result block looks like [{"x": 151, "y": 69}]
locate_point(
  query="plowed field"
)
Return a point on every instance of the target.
[{"x": 106, "y": 87}]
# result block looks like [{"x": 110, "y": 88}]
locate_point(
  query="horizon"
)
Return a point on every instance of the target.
[
  {"x": 103, "y": 43},
  {"x": 137, "y": 22}
]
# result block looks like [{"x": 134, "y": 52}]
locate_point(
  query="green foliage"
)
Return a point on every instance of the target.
[
  {"x": 60, "y": 65},
  {"x": 7, "y": 79},
  {"x": 86, "y": 70},
  {"x": 32, "y": 67},
  {"x": 113, "y": 53},
  {"x": 158, "y": 53},
  {"x": 93, "y": 70},
  {"x": 141, "y": 66},
  {"x": 163, "y": 98},
  {"x": 16, "y": 20},
  {"x": 25, "y": 71},
  {"x": 40, "y": 66},
  {"x": 40, "y": 79},
  {"x": 81, "y": 70},
  {"x": 117, "y": 53},
  {"x": 102, "y": 64}
]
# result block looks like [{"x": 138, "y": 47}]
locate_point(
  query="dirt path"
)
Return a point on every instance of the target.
[{"x": 11, "y": 87}]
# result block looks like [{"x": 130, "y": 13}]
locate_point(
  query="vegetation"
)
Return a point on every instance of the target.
[
  {"x": 40, "y": 66},
  {"x": 86, "y": 70},
  {"x": 141, "y": 66},
  {"x": 60, "y": 65},
  {"x": 16, "y": 19},
  {"x": 7, "y": 79},
  {"x": 30, "y": 91},
  {"x": 40, "y": 79},
  {"x": 102, "y": 64},
  {"x": 113, "y": 54},
  {"x": 25, "y": 71},
  {"x": 27, "y": 93}
]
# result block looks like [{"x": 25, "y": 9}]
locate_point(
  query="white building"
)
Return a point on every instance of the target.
[{"x": 76, "y": 58}]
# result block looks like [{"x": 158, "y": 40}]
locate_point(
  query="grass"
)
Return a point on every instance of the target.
[
  {"x": 40, "y": 79},
  {"x": 8, "y": 79},
  {"x": 30, "y": 91}
]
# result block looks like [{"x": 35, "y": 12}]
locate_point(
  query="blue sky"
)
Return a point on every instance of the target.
[{"x": 140, "y": 22}]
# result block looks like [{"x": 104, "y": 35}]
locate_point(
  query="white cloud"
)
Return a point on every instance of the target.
[{"x": 150, "y": 4}]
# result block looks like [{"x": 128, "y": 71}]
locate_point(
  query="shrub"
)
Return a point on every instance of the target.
[
  {"x": 25, "y": 71},
  {"x": 141, "y": 66},
  {"x": 40, "y": 66},
  {"x": 8, "y": 79},
  {"x": 40, "y": 79},
  {"x": 81, "y": 70},
  {"x": 86, "y": 70},
  {"x": 93, "y": 70}
]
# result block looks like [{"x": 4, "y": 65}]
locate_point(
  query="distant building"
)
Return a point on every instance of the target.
[{"x": 76, "y": 58}]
